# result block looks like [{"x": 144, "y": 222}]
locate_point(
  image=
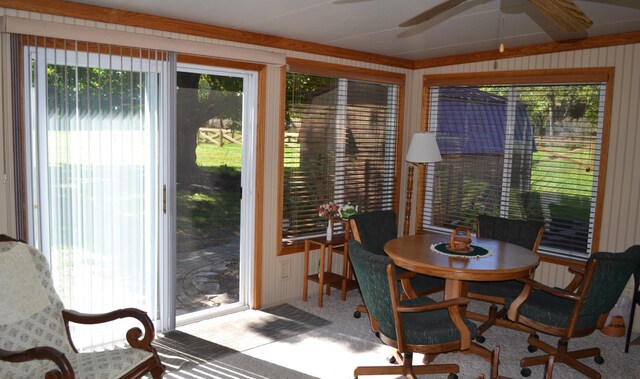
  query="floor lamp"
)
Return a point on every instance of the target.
[{"x": 422, "y": 150}]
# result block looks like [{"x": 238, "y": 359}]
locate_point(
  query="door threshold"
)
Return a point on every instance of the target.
[{"x": 208, "y": 314}]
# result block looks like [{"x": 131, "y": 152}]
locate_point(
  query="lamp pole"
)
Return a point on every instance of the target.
[
  {"x": 422, "y": 150},
  {"x": 407, "y": 209}
]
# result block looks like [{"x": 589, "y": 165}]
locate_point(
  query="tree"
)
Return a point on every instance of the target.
[
  {"x": 300, "y": 88},
  {"x": 202, "y": 99},
  {"x": 88, "y": 89},
  {"x": 551, "y": 107}
]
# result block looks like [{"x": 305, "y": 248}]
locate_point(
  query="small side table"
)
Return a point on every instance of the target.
[{"x": 325, "y": 278}]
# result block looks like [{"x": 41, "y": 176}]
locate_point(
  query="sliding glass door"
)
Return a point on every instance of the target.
[
  {"x": 93, "y": 130},
  {"x": 215, "y": 125},
  {"x": 132, "y": 209}
]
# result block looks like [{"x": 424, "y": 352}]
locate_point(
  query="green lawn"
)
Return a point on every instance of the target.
[
  {"x": 215, "y": 203},
  {"x": 210, "y": 156},
  {"x": 562, "y": 171}
]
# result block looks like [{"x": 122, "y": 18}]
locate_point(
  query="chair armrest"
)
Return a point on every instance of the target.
[
  {"x": 453, "y": 306},
  {"x": 529, "y": 286},
  {"x": 578, "y": 274},
  {"x": 65, "y": 371},
  {"x": 550, "y": 290},
  {"x": 134, "y": 335}
]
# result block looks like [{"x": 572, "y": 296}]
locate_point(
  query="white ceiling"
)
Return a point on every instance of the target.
[{"x": 372, "y": 25}]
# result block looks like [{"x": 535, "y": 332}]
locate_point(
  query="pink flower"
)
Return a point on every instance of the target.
[{"x": 328, "y": 210}]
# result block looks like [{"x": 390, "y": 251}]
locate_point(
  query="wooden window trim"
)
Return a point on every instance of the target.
[
  {"x": 136, "y": 19},
  {"x": 336, "y": 70},
  {"x": 142, "y": 20},
  {"x": 561, "y": 261},
  {"x": 532, "y": 50},
  {"x": 349, "y": 72},
  {"x": 603, "y": 74}
]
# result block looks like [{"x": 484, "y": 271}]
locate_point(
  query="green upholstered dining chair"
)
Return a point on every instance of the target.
[
  {"x": 34, "y": 327},
  {"x": 570, "y": 314},
  {"x": 418, "y": 325},
  {"x": 525, "y": 233},
  {"x": 373, "y": 230}
]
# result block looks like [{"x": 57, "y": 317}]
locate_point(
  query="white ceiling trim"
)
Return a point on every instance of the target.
[{"x": 18, "y": 25}]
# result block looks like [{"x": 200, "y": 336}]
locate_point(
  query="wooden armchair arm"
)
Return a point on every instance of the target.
[
  {"x": 65, "y": 371},
  {"x": 135, "y": 337},
  {"x": 453, "y": 306},
  {"x": 578, "y": 275},
  {"x": 550, "y": 290},
  {"x": 529, "y": 286}
]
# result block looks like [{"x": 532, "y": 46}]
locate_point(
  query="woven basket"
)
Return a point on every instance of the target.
[
  {"x": 615, "y": 328},
  {"x": 460, "y": 240}
]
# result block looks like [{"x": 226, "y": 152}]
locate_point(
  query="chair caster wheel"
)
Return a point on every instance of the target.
[
  {"x": 525, "y": 372},
  {"x": 392, "y": 360},
  {"x": 532, "y": 349},
  {"x": 598, "y": 359},
  {"x": 480, "y": 339},
  {"x": 452, "y": 376},
  {"x": 357, "y": 314}
]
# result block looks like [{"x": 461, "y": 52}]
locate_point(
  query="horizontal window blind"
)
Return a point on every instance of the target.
[
  {"x": 339, "y": 145},
  {"x": 521, "y": 152}
]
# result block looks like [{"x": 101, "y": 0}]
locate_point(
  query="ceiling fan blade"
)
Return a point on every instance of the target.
[
  {"x": 432, "y": 12},
  {"x": 564, "y": 14}
]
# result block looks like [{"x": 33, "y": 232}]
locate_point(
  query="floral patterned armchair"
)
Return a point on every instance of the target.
[{"x": 34, "y": 327}]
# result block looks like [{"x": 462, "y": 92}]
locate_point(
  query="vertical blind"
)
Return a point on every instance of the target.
[
  {"x": 92, "y": 128},
  {"x": 520, "y": 152},
  {"x": 339, "y": 145}
]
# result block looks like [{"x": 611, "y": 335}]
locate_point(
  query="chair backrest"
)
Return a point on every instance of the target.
[
  {"x": 611, "y": 272},
  {"x": 371, "y": 273},
  {"x": 374, "y": 229},
  {"x": 30, "y": 308},
  {"x": 525, "y": 233}
]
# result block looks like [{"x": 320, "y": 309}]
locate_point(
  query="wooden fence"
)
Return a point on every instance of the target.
[{"x": 219, "y": 136}]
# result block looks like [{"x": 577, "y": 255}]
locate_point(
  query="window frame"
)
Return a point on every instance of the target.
[
  {"x": 530, "y": 77},
  {"x": 345, "y": 72}
]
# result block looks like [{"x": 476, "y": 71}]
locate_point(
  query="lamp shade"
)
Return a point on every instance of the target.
[{"x": 423, "y": 148}]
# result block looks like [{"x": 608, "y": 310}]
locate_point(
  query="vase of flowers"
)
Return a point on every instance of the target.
[{"x": 329, "y": 211}]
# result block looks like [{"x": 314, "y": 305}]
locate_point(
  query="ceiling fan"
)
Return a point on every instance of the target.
[{"x": 564, "y": 14}]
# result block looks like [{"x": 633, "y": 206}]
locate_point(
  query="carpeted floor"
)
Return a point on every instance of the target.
[{"x": 298, "y": 340}]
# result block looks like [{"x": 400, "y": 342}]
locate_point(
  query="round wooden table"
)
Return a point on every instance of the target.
[{"x": 507, "y": 261}]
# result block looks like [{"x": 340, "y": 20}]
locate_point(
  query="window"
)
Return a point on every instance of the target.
[
  {"x": 340, "y": 144},
  {"x": 521, "y": 150}
]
